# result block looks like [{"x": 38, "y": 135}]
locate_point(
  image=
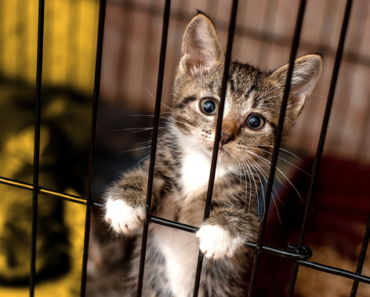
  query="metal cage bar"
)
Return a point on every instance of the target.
[
  {"x": 278, "y": 137},
  {"x": 361, "y": 259},
  {"x": 302, "y": 253},
  {"x": 320, "y": 147},
  {"x": 221, "y": 107},
  {"x": 99, "y": 55},
  {"x": 36, "y": 152},
  {"x": 162, "y": 59}
]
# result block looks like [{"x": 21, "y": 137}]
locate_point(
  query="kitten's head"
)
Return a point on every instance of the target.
[{"x": 253, "y": 97}]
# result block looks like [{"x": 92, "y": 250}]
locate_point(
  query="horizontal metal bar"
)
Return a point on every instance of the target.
[
  {"x": 172, "y": 224},
  {"x": 67, "y": 197},
  {"x": 253, "y": 245},
  {"x": 15, "y": 183},
  {"x": 192, "y": 229},
  {"x": 27, "y": 186},
  {"x": 333, "y": 270},
  {"x": 280, "y": 252},
  {"x": 154, "y": 219}
]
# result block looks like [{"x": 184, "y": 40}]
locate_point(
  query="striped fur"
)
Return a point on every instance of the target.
[{"x": 183, "y": 166}]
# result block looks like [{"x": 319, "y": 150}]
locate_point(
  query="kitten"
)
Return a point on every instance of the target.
[{"x": 251, "y": 114}]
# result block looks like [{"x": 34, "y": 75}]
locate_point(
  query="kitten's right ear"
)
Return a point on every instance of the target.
[{"x": 201, "y": 47}]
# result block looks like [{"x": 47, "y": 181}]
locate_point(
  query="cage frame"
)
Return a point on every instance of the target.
[{"x": 297, "y": 252}]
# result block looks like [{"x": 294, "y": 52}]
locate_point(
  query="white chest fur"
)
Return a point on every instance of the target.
[
  {"x": 194, "y": 172},
  {"x": 180, "y": 248},
  {"x": 181, "y": 252}
]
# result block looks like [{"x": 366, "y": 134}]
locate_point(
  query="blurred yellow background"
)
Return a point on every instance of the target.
[
  {"x": 69, "y": 41},
  {"x": 70, "y": 35}
]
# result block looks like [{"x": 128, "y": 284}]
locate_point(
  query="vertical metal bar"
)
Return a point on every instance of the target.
[
  {"x": 98, "y": 62},
  {"x": 275, "y": 153},
  {"x": 166, "y": 18},
  {"x": 36, "y": 153},
  {"x": 361, "y": 259},
  {"x": 212, "y": 173},
  {"x": 36, "y": 144},
  {"x": 321, "y": 143}
]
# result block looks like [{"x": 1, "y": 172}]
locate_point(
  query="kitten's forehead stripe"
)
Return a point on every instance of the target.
[
  {"x": 253, "y": 88},
  {"x": 185, "y": 101},
  {"x": 232, "y": 85}
]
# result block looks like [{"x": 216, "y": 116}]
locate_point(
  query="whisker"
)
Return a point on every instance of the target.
[
  {"x": 283, "y": 160},
  {"x": 265, "y": 160},
  {"x": 156, "y": 99},
  {"x": 141, "y": 129}
]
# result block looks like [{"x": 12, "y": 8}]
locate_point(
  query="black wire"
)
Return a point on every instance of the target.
[
  {"x": 36, "y": 153},
  {"x": 320, "y": 147},
  {"x": 166, "y": 18},
  {"x": 275, "y": 152},
  {"x": 98, "y": 62},
  {"x": 212, "y": 174}
]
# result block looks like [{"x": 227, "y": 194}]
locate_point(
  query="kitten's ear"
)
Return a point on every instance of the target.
[
  {"x": 201, "y": 47},
  {"x": 307, "y": 70}
]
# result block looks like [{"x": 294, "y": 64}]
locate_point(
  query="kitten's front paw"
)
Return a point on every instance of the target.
[
  {"x": 216, "y": 242},
  {"x": 122, "y": 217}
]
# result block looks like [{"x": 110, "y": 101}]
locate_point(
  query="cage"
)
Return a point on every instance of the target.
[{"x": 47, "y": 150}]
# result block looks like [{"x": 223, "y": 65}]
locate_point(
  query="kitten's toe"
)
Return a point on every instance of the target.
[
  {"x": 216, "y": 242},
  {"x": 122, "y": 217}
]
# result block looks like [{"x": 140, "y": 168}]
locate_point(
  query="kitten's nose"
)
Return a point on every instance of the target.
[{"x": 225, "y": 138}]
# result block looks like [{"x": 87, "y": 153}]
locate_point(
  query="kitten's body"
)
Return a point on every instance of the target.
[
  {"x": 183, "y": 165},
  {"x": 172, "y": 254}
]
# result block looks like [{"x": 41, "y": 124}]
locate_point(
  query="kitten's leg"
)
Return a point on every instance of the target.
[
  {"x": 226, "y": 231},
  {"x": 125, "y": 202}
]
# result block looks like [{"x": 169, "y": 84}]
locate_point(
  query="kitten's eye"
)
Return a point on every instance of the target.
[
  {"x": 255, "y": 122},
  {"x": 209, "y": 106}
]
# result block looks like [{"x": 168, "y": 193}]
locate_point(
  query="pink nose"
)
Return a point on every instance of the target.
[{"x": 225, "y": 138}]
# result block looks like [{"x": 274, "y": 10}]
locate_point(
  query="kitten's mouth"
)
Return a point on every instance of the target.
[{"x": 221, "y": 152}]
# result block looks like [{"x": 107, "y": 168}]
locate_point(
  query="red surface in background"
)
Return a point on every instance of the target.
[{"x": 340, "y": 210}]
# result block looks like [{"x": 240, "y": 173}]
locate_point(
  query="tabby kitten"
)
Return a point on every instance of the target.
[{"x": 252, "y": 108}]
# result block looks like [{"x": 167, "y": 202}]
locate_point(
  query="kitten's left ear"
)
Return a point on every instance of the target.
[
  {"x": 307, "y": 70},
  {"x": 201, "y": 47}
]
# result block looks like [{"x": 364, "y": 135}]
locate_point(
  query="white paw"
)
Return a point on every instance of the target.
[
  {"x": 122, "y": 217},
  {"x": 216, "y": 242}
]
